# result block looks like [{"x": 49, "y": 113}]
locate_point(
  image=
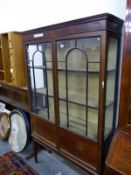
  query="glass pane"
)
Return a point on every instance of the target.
[
  {"x": 93, "y": 90},
  {"x": 91, "y": 46},
  {"x": 78, "y": 73},
  {"x": 77, "y": 120},
  {"x": 50, "y": 82},
  {"x": 110, "y": 84},
  {"x": 41, "y": 82},
  {"x": 63, "y": 47}
]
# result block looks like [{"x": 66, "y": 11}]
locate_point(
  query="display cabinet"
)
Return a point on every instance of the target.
[{"x": 73, "y": 72}]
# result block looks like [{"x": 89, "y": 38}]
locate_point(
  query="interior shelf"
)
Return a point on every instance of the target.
[
  {"x": 44, "y": 114},
  {"x": 40, "y": 67},
  {"x": 84, "y": 71},
  {"x": 81, "y": 71},
  {"x": 78, "y": 125},
  {"x": 75, "y": 97},
  {"x": 72, "y": 70},
  {"x": 43, "y": 91}
]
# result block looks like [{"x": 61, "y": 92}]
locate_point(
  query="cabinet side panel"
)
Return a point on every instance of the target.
[
  {"x": 5, "y": 58},
  {"x": 17, "y": 52}
]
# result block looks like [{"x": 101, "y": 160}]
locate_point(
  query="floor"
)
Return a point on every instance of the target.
[{"x": 48, "y": 163}]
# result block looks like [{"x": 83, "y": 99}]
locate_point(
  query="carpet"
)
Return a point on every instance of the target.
[{"x": 12, "y": 164}]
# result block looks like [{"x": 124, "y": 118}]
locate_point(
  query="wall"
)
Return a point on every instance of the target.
[{"x": 27, "y": 14}]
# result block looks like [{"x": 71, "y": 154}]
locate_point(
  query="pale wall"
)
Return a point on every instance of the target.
[{"x": 27, "y": 14}]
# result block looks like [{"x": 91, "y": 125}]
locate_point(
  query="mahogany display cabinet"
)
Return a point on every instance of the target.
[{"x": 73, "y": 70}]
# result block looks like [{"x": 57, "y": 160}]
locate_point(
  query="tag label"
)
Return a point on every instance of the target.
[{"x": 38, "y": 35}]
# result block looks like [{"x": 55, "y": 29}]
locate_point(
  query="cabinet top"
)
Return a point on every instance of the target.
[{"x": 99, "y": 22}]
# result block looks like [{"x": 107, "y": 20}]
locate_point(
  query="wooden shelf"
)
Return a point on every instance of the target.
[
  {"x": 77, "y": 125},
  {"x": 76, "y": 98},
  {"x": 43, "y": 91},
  {"x": 44, "y": 114},
  {"x": 14, "y": 103},
  {"x": 72, "y": 70},
  {"x": 84, "y": 71},
  {"x": 79, "y": 71},
  {"x": 89, "y": 62},
  {"x": 12, "y": 86},
  {"x": 40, "y": 67},
  {"x": 15, "y": 96},
  {"x": 92, "y": 101}
]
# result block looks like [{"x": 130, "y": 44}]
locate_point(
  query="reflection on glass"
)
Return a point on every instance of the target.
[
  {"x": 40, "y": 70},
  {"x": 110, "y": 85},
  {"x": 78, "y": 73},
  {"x": 129, "y": 108}
]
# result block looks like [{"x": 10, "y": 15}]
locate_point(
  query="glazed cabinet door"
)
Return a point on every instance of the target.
[
  {"x": 39, "y": 59},
  {"x": 78, "y": 67}
]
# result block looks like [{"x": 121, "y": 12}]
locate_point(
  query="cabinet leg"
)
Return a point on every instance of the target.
[
  {"x": 35, "y": 151},
  {"x": 49, "y": 151}
]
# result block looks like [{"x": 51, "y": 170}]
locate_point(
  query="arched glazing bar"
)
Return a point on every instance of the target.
[
  {"x": 86, "y": 89},
  {"x": 44, "y": 75}
]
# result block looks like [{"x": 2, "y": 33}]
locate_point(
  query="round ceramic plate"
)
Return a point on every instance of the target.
[
  {"x": 4, "y": 126},
  {"x": 19, "y": 131}
]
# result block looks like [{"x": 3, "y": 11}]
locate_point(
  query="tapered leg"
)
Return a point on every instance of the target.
[
  {"x": 49, "y": 151},
  {"x": 35, "y": 151}
]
